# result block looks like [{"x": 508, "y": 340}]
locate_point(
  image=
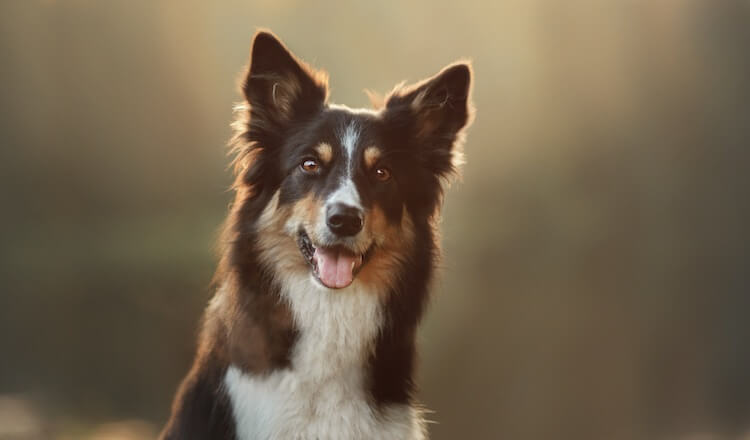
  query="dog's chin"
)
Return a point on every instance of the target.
[{"x": 334, "y": 267}]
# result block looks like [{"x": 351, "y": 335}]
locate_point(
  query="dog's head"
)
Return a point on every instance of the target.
[{"x": 339, "y": 192}]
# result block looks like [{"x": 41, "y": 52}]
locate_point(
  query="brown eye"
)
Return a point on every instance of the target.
[
  {"x": 382, "y": 174},
  {"x": 310, "y": 165}
]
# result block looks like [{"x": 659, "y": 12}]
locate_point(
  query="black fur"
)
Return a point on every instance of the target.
[{"x": 201, "y": 410}]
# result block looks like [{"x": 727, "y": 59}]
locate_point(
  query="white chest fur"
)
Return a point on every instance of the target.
[{"x": 323, "y": 395}]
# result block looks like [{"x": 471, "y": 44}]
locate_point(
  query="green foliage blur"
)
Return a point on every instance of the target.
[{"x": 595, "y": 283}]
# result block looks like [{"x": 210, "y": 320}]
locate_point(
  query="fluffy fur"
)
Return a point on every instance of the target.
[{"x": 329, "y": 249}]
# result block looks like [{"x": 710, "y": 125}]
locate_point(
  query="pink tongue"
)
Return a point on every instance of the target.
[{"x": 335, "y": 268}]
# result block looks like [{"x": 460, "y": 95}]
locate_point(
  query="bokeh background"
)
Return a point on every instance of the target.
[{"x": 595, "y": 283}]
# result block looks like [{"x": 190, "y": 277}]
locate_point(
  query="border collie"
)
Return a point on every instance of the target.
[{"x": 329, "y": 249}]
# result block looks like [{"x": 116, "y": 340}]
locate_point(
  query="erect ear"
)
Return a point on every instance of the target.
[
  {"x": 433, "y": 113},
  {"x": 279, "y": 87}
]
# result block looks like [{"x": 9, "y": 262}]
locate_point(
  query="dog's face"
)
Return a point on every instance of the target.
[{"x": 342, "y": 190}]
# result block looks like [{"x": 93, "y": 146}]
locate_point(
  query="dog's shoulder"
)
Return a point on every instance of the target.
[{"x": 201, "y": 408}]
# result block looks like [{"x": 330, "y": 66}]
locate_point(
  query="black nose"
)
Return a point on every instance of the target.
[{"x": 344, "y": 220}]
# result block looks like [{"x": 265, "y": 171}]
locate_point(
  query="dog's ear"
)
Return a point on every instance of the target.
[
  {"x": 433, "y": 114},
  {"x": 278, "y": 87}
]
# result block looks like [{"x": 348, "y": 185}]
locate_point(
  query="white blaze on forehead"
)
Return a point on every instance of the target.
[
  {"x": 349, "y": 142},
  {"x": 347, "y": 192}
]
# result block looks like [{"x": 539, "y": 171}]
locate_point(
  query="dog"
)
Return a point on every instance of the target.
[{"x": 329, "y": 249}]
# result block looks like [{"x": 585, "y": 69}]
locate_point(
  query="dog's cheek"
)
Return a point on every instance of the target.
[
  {"x": 275, "y": 245},
  {"x": 395, "y": 242},
  {"x": 376, "y": 225},
  {"x": 390, "y": 200},
  {"x": 305, "y": 212}
]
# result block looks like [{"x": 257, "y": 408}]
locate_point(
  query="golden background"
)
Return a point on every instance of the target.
[{"x": 595, "y": 283}]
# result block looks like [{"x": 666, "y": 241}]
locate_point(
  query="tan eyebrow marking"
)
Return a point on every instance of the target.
[
  {"x": 372, "y": 154},
  {"x": 324, "y": 151}
]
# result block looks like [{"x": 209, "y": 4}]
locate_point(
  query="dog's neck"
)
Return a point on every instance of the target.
[{"x": 337, "y": 328}]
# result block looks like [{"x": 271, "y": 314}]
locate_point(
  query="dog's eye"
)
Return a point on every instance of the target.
[
  {"x": 382, "y": 174},
  {"x": 310, "y": 165}
]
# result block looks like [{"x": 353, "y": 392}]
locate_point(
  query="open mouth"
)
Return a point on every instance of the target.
[{"x": 336, "y": 266}]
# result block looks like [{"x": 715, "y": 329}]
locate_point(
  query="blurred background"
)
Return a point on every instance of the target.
[{"x": 595, "y": 283}]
